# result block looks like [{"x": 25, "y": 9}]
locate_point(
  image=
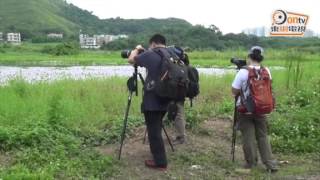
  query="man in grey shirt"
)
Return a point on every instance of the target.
[{"x": 153, "y": 107}]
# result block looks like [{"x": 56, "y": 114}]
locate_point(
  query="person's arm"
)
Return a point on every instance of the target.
[
  {"x": 131, "y": 59},
  {"x": 134, "y": 54},
  {"x": 235, "y": 92},
  {"x": 238, "y": 81}
]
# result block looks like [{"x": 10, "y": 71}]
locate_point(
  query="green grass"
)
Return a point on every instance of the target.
[
  {"x": 51, "y": 130},
  {"x": 215, "y": 165},
  {"x": 30, "y": 55}
]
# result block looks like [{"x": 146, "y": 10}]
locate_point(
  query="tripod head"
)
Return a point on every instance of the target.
[{"x": 132, "y": 82}]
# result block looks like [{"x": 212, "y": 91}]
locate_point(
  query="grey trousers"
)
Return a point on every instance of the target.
[
  {"x": 255, "y": 131},
  {"x": 180, "y": 121}
]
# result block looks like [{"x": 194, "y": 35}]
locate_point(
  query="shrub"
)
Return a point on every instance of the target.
[
  {"x": 2, "y": 50},
  {"x": 295, "y": 127},
  {"x": 45, "y": 39},
  {"x": 62, "y": 49}
]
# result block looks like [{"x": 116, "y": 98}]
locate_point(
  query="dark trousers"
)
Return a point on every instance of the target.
[
  {"x": 154, "y": 126},
  {"x": 254, "y": 130}
]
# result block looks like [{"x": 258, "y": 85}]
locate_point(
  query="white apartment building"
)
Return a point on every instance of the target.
[
  {"x": 87, "y": 42},
  {"x": 97, "y": 41},
  {"x": 14, "y": 38}
]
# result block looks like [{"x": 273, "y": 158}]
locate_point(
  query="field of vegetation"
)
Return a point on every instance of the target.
[
  {"x": 53, "y": 130},
  {"x": 68, "y": 54}
]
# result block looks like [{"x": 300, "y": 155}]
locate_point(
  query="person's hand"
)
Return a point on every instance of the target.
[
  {"x": 139, "y": 47},
  {"x": 135, "y": 53},
  {"x": 136, "y": 50}
]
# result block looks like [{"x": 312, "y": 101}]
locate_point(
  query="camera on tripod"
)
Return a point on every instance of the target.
[{"x": 238, "y": 62}]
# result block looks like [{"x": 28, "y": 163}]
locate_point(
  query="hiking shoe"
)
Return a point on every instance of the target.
[
  {"x": 272, "y": 166},
  {"x": 151, "y": 164},
  {"x": 179, "y": 140},
  {"x": 272, "y": 170}
]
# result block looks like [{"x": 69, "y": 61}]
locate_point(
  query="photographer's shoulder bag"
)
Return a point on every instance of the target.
[
  {"x": 257, "y": 98},
  {"x": 173, "y": 81},
  {"x": 194, "y": 87},
  {"x": 193, "y": 74}
]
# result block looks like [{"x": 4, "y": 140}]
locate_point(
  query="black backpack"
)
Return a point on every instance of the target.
[
  {"x": 193, "y": 87},
  {"x": 193, "y": 74},
  {"x": 173, "y": 82}
]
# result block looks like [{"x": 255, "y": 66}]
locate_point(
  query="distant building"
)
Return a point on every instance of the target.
[
  {"x": 87, "y": 42},
  {"x": 1, "y": 36},
  {"x": 97, "y": 41},
  {"x": 310, "y": 33},
  {"x": 55, "y": 35},
  {"x": 14, "y": 38},
  {"x": 105, "y": 39},
  {"x": 259, "y": 31}
]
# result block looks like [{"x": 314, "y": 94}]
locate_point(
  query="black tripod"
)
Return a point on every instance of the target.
[
  {"x": 234, "y": 129},
  {"x": 132, "y": 85}
]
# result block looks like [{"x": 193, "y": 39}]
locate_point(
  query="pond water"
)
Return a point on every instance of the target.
[{"x": 38, "y": 74}]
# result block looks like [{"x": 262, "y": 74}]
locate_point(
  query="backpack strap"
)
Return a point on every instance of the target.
[
  {"x": 265, "y": 73},
  {"x": 164, "y": 53},
  {"x": 257, "y": 73},
  {"x": 250, "y": 75},
  {"x": 159, "y": 52},
  {"x": 168, "y": 54}
]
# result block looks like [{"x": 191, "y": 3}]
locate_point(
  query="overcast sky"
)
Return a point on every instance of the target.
[{"x": 228, "y": 15}]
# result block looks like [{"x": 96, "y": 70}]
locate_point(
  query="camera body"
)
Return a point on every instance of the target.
[
  {"x": 126, "y": 53},
  {"x": 238, "y": 62}
]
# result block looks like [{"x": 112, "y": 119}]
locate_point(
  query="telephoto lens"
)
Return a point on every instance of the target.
[
  {"x": 238, "y": 62},
  {"x": 125, "y": 54}
]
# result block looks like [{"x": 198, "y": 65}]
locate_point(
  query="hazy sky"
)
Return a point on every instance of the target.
[{"x": 228, "y": 15}]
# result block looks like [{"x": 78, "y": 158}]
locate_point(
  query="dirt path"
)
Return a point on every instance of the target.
[
  {"x": 206, "y": 155},
  {"x": 213, "y": 134}
]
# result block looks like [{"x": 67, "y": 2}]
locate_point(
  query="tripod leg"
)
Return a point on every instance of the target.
[
  {"x": 233, "y": 150},
  {"x": 145, "y": 136},
  {"x": 170, "y": 143},
  {"x": 234, "y": 130},
  {"x": 125, "y": 123},
  {"x": 141, "y": 78}
]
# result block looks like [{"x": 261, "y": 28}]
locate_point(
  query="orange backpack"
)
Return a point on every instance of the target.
[{"x": 259, "y": 99}]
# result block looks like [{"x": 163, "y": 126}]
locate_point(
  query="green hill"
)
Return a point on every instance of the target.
[
  {"x": 35, "y": 17},
  {"x": 32, "y": 17}
]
